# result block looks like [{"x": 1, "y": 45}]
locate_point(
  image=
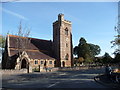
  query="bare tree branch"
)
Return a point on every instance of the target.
[{"x": 22, "y": 40}]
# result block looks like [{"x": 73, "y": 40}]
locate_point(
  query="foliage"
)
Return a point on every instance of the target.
[
  {"x": 94, "y": 49},
  {"x": 2, "y": 41},
  {"x": 98, "y": 60},
  {"x": 86, "y": 50},
  {"x": 2, "y": 44},
  {"x": 117, "y": 58},
  {"x": 35, "y": 69},
  {"x": 78, "y": 61},
  {"x": 106, "y": 58},
  {"x": 116, "y": 41}
]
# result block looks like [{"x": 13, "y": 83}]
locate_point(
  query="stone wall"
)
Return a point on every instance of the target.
[
  {"x": 13, "y": 71},
  {"x": 8, "y": 72},
  {"x": 79, "y": 68},
  {"x": 48, "y": 69}
]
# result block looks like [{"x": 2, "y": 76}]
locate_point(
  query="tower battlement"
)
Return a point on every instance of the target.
[{"x": 61, "y": 19}]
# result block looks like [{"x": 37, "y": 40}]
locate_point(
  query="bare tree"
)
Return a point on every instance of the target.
[{"x": 23, "y": 41}]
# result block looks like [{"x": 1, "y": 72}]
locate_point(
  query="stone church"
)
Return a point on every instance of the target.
[{"x": 41, "y": 53}]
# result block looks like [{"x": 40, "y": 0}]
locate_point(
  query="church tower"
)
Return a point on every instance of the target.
[{"x": 62, "y": 42}]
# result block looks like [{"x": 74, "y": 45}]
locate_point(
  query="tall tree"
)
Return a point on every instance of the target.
[{"x": 86, "y": 50}]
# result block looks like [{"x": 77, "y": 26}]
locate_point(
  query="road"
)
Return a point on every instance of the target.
[{"x": 61, "y": 79}]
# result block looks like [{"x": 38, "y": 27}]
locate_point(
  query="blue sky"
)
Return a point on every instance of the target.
[{"x": 94, "y": 21}]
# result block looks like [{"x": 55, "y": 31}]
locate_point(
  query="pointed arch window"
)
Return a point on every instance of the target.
[
  {"x": 66, "y": 31},
  {"x": 66, "y": 57}
]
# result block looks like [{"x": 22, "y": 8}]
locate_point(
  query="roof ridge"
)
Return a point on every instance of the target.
[{"x": 10, "y": 35}]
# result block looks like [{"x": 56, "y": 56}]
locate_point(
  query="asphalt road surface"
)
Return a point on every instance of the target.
[{"x": 60, "y": 79}]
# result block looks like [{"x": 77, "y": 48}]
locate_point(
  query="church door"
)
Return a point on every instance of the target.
[
  {"x": 23, "y": 64},
  {"x": 63, "y": 64}
]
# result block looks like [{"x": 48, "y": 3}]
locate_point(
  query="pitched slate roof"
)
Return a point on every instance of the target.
[{"x": 36, "y": 49}]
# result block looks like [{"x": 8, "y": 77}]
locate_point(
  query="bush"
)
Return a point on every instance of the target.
[{"x": 36, "y": 70}]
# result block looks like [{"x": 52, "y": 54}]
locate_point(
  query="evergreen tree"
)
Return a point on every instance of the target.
[
  {"x": 86, "y": 50},
  {"x": 106, "y": 58}
]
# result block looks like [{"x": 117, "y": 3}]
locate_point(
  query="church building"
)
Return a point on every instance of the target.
[{"x": 39, "y": 53}]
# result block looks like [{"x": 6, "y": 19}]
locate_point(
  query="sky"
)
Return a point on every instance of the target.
[{"x": 94, "y": 21}]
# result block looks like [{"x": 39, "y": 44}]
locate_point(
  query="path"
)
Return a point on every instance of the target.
[{"x": 61, "y": 79}]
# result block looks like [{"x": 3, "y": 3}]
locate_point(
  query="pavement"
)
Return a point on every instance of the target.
[
  {"x": 85, "y": 78},
  {"x": 104, "y": 80}
]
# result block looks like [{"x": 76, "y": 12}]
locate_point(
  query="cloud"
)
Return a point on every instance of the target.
[{"x": 14, "y": 14}]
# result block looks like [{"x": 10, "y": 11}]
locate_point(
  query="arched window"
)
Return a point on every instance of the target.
[
  {"x": 41, "y": 62},
  {"x": 66, "y": 57},
  {"x": 66, "y": 31},
  {"x": 36, "y": 62}
]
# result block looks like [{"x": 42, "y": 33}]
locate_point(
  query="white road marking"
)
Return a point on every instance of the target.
[
  {"x": 53, "y": 84},
  {"x": 84, "y": 75},
  {"x": 76, "y": 79}
]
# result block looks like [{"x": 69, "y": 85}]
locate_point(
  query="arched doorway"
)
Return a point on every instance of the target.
[
  {"x": 63, "y": 64},
  {"x": 55, "y": 63},
  {"x": 23, "y": 64}
]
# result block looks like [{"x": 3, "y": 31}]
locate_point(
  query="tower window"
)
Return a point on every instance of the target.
[
  {"x": 66, "y": 44},
  {"x": 66, "y": 57},
  {"x": 66, "y": 31}
]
